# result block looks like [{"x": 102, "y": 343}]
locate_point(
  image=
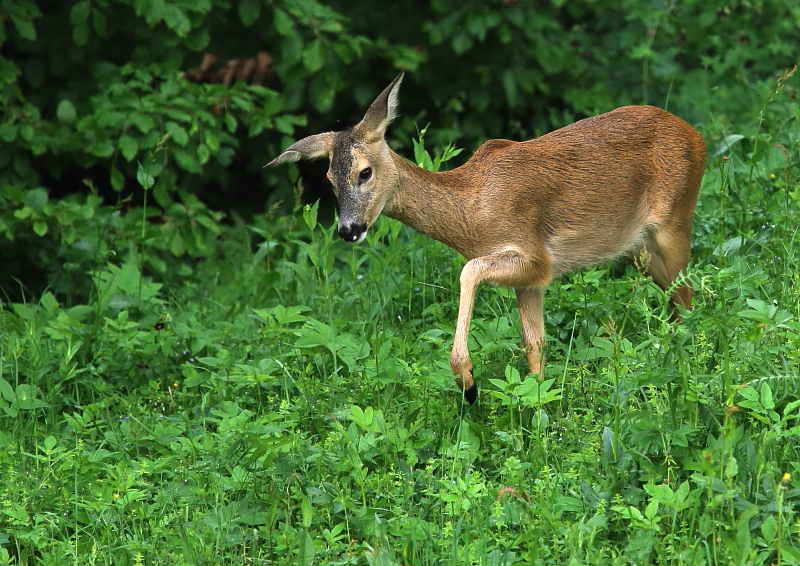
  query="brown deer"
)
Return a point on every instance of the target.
[{"x": 624, "y": 183}]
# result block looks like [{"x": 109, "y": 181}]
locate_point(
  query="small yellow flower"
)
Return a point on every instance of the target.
[
  {"x": 175, "y": 384},
  {"x": 116, "y": 496},
  {"x": 787, "y": 477},
  {"x": 772, "y": 175}
]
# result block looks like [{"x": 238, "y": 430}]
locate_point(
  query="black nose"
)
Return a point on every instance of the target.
[{"x": 352, "y": 232}]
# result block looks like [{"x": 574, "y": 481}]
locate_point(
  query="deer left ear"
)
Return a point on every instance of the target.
[
  {"x": 380, "y": 113},
  {"x": 312, "y": 147}
]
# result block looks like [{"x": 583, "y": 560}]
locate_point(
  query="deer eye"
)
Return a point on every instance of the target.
[{"x": 365, "y": 174}]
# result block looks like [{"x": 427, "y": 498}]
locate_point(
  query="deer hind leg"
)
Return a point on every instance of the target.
[
  {"x": 531, "y": 316},
  {"x": 669, "y": 250},
  {"x": 507, "y": 269}
]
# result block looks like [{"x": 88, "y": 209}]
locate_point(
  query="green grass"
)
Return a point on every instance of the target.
[{"x": 289, "y": 401}]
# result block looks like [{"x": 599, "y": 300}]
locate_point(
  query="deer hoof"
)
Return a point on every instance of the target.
[
  {"x": 469, "y": 387},
  {"x": 471, "y": 394}
]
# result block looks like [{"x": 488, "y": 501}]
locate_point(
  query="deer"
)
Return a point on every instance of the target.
[{"x": 620, "y": 184}]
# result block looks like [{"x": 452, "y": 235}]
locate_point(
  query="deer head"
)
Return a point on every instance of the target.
[{"x": 361, "y": 170}]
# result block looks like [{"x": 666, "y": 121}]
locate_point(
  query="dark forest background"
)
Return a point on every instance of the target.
[{"x": 103, "y": 101}]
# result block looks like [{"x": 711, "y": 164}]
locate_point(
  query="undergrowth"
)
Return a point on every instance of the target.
[{"x": 285, "y": 398}]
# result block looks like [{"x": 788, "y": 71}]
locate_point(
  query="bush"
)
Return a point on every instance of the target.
[{"x": 111, "y": 102}]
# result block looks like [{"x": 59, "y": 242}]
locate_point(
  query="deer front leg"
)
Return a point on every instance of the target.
[
  {"x": 459, "y": 357},
  {"x": 531, "y": 316},
  {"x": 507, "y": 269}
]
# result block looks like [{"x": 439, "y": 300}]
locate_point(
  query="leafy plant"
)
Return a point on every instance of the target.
[{"x": 179, "y": 389}]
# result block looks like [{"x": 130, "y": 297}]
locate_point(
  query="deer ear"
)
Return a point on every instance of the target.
[
  {"x": 380, "y": 113},
  {"x": 312, "y": 147}
]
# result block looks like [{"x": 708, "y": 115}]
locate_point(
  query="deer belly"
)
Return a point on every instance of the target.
[{"x": 571, "y": 250}]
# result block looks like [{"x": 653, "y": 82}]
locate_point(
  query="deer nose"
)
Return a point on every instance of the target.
[{"x": 352, "y": 232}]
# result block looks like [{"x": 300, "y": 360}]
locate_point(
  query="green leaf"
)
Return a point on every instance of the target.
[
  {"x": 787, "y": 411},
  {"x": 36, "y": 199},
  {"x": 117, "y": 179},
  {"x": 681, "y": 494},
  {"x": 462, "y": 42},
  {"x": 212, "y": 140},
  {"x": 535, "y": 392},
  {"x": 99, "y": 23},
  {"x": 729, "y": 246},
  {"x": 249, "y": 11},
  {"x": 23, "y": 213},
  {"x": 292, "y": 49},
  {"x": 791, "y": 553},
  {"x": 8, "y": 132},
  {"x": 203, "y": 154},
  {"x": 24, "y": 27},
  {"x": 356, "y": 414},
  {"x": 186, "y": 160},
  {"x": 609, "y": 445},
  {"x": 749, "y": 393},
  {"x": 49, "y": 443},
  {"x": 509, "y": 83},
  {"x": 643, "y": 51},
  {"x": 306, "y": 551},
  {"x": 177, "y": 245},
  {"x": 307, "y": 511},
  {"x": 283, "y": 23},
  {"x": 7, "y": 391},
  {"x": 230, "y": 122},
  {"x": 128, "y": 147},
  {"x": 310, "y": 215},
  {"x": 766, "y": 397},
  {"x": 80, "y": 34},
  {"x": 169, "y": 89},
  {"x": 178, "y": 133},
  {"x": 101, "y": 149},
  {"x": 26, "y": 397},
  {"x": 760, "y": 311},
  {"x": 760, "y": 147},
  {"x": 196, "y": 378},
  {"x": 23, "y": 311},
  {"x": 282, "y": 315},
  {"x": 26, "y": 132},
  {"x": 726, "y": 145},
  {"x": 65, "y": 112},
  {"x": 176, "y": 20},
  {"x": 198, "y": 39},
  {"x": 363, "y": 418},
  {"x": 79, "y": 12},
  {"x": 314, "y": 56},
  {"x": 769, "y": 529},
  {"x": 285, "y": 124},
  {"x": 315, "y": 334},
  {"x": 144, "y": 122},
  {"x": 79, "y": 18},
  {"x": 144, "y": 177},
  {"x": 40, "y": 227},
  {"x": 512, "y": 374}
]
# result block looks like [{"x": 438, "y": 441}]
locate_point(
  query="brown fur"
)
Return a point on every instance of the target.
[{"x": 523, "y": 213}]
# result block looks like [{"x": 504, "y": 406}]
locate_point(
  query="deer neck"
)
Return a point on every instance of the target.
[{"x": 434, "y": 204}]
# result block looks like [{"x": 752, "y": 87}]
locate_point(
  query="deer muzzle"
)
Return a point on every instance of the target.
[{"x": 352, "y": 232}]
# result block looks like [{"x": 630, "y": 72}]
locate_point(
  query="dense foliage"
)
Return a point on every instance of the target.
[
  {"x": 193, "y": 374},
  {"x": 96, "y": 96}
]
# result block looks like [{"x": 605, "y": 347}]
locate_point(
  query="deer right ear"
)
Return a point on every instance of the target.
[{"x": 312, "y": 147}]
